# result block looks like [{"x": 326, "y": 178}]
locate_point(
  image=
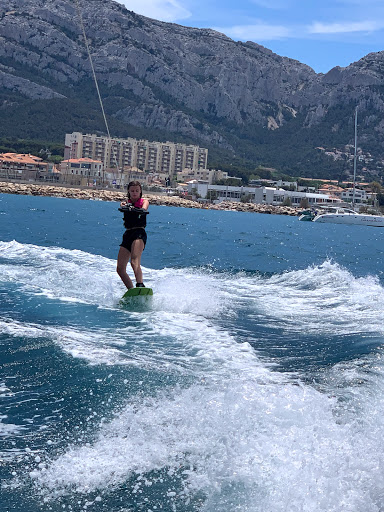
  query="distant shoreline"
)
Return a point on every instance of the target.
[{"x": 48, "y": 190}]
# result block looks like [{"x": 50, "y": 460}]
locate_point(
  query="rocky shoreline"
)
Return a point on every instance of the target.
[{"x": 33, "y": 189}]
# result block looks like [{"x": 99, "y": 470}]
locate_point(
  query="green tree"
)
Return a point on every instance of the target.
[
  {"x": 380, "y": 199},
  {"x": 246, "y": 198},
  {"x": 56, "y": 159},
  {"x": 376, "y": 187},
  {"x": 287, "y": 202},
  {"x": 212, "y": 195}
]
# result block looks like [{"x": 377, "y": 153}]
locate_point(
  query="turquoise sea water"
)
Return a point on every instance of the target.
[{"x": 252, "y": 381}]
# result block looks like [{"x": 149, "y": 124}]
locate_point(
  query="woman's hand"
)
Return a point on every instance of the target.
[{"x": 123, "y": 203}]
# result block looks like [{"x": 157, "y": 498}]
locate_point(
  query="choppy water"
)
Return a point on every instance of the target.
[{"x": 252, "y": 381}]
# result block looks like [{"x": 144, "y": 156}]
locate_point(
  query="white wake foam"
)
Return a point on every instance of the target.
[
  {"x": 247, "y": 438},
  {"x": 319, "y": 299},
  {"x": 246, "y": 445}
]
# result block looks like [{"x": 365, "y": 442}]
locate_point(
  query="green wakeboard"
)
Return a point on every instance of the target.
[{"x": 137, "y": 292}]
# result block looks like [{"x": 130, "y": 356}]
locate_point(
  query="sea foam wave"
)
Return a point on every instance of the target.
[
  {"x": 242, "y": 436},
  {"x": 319, "y": 299},
  {"x": 244, "y": 445},
  {"x": 182, "y": 324}
]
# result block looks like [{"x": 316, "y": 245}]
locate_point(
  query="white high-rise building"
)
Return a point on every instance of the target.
[{"x": 158, "y": 157}]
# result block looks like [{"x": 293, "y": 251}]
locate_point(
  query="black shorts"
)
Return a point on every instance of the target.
[{"x": 131, "y": 235}]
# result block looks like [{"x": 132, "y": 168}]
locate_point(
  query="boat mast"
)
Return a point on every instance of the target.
[{"x": 354, "y": 163}]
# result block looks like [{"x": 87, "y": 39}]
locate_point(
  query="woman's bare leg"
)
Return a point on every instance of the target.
[
  {"x": 122, "y": 262},
  {"x": 137, "y": 249}
]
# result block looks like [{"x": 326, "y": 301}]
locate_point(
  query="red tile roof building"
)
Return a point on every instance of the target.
[{"x": 21, "y": 166}]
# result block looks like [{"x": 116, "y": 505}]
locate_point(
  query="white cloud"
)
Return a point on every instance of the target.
[
  {"x": 344, "y": 27},
  {"x": 262, "y": 31},
  {"x": 362, "y": 3},
  {"x": 256, "y": 32},
  {"x": 164, "y": 10}
]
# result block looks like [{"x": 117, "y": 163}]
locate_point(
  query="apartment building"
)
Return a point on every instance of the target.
[
  {"x": 121, "y": 178},
  {"x": 208, "y": 175},
  {"x": 360, "y": 196},
  {"x": 23, "y": 166},
  {"x": 81, "y": 171},
  {"x": 159, "y": 157}
]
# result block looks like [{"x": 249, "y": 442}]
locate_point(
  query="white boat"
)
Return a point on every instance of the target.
[
  {"x": 338, "y": 215},
  {"x": 307, "y": 215}
]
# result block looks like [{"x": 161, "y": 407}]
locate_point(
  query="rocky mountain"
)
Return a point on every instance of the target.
[{"x": 166, "y": 81}]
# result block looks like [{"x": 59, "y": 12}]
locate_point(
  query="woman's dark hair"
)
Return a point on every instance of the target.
[{"x": 134, "y": 184}]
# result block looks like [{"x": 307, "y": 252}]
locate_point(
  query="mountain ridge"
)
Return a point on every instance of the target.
[{"x": 195, "y": 85}]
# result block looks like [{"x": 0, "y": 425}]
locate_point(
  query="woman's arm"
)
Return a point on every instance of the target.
[{"x": 145, "y": 204}]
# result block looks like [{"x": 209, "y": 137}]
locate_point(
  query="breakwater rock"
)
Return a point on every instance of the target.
[
  {"x": 33, "y": 189},
  {"x": 118, "y": 196},
  {"x": 255, "y": 208}
]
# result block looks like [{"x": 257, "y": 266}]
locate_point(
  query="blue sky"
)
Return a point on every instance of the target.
[{"x": 320, "y": 33}]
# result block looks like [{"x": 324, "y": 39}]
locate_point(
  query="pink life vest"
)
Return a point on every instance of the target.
[
  {"x": 139, "y": 203},
  {"x": 134, "y": 219}
]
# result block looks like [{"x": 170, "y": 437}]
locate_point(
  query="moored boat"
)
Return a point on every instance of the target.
[
  {"x": 307, "y": 215},
  {"x": 346, "y": 216},
  {"x": 340, "y": 215}
]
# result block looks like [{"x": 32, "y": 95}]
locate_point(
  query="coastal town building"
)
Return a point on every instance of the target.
[
  {"x": 258, "y": 195},
  {"x": 120, "y": 178},
  {"x": 24, "y": 167},
  {"x": 330, "y": 189},
  {"x": 209, "y": 175},
  {"x": 163, "y": 157},
  {"x": 82, "y": 171},
  {"x": 361, "y": 196}
]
